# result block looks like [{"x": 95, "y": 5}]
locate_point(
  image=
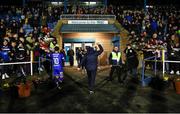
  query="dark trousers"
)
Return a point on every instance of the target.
[
  {"x": 21, "y": 70},
  {"x": 48, "y": 67},
  {"x": 71, "y": 60},
  {"x": 133, "y": 71},
  {"x": 91, "y": 79},
  {"x": 159, "y": 65},
  {"x": 5, "y": 69},
  {"x": 173, "y": 66},
  {"x": 118, "y": 70}
]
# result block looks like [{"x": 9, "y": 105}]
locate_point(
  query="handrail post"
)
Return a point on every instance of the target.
[
  {"x": 163, "y": 60},
  {"x": 143, "y": 70},
  {"x": 31, "y": 65},
  {"x": 155, "y": 67},
  {"x": 39, "y": 64}
]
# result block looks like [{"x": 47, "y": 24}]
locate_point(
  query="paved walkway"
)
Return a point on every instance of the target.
[{"x": 108, "y": 97}]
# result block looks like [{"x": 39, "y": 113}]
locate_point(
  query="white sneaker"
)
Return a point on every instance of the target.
[
  {"x": 59, "y": 87},
  {"x": 91, "y": 92},
  {"x": 172, "y": 72},
  {"x": 6, "y": 75},
  {"x": 178, "y": 72},
  {"x": 3, "y": 77},
  {"x": 40, "y": 69}
]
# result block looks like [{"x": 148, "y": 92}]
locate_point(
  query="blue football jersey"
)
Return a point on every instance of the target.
[
  {"x": 56, "y": 59},
  {"x": 4, "y": 54}
]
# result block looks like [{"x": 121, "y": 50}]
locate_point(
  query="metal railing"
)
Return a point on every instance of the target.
[
  {"x": 154, "y": 59},
  {"x": 87, "y": 17},
  {"x": 20, "y": 63}
]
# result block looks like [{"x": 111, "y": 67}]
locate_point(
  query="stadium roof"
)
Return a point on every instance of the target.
[{"x": 105, "y": 28}]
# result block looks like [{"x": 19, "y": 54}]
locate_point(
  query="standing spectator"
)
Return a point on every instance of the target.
[
  {"x": 2, "y": 31},
  {"x": 62, "y": 51},
  {"x": 154, "y": 26},
  {"x": 90, "y": 62},
  {"x": 13, "y": 54},
  {"x": 178, "y": 58},
  {"x": 36, "y": 54},
  {"x": 70, "y": 53},
  {"x": 148, "y": 53},
  {"x": 78, "y": 55},
  {"x": 132, "y": 60},
  {"x": 171, "y": 54},
  {"x": 20, "y": 57},
  {"x": 5, "y": 56}
]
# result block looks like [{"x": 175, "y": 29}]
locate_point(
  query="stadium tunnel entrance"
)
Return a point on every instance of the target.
[
  {"x": 79, "y": 33},
  {"x": 81, "y": 40}
]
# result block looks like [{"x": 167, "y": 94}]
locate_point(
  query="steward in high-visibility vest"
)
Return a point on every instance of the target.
[
  {"x": 115, "y": 58},
  {"x": 115, "y": 62}
]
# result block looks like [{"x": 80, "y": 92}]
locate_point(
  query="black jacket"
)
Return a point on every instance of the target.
[
  {"x": 131, "y": 57},
  {"x": 21, "y": 54},
  {"x": 90, "y": 60}
]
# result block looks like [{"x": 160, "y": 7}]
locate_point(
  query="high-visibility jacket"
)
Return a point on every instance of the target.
[{"x": 115, "y": 58}]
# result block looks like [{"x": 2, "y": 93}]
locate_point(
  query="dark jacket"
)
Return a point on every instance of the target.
[
  {"x": 70, "y": 52},
  {"x": 90, "y": 60},
  {"x": 132, "y": 59},
  {"x": 21, "y": 54},
  {"x": 13, "y": 53}
]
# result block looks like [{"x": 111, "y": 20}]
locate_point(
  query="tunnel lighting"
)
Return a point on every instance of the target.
[
  {"x": 54, "y": 3},
  {"x": 92, "y": 3},
  {"x": 87, "y": 3}
]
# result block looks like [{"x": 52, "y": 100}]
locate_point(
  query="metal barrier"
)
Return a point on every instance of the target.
[
  {"x": 166, "y": 61},
  {"x": 19, "y": 63},
  {"x": 146, "y": 81},
  {"x": 87, "y": 17}
]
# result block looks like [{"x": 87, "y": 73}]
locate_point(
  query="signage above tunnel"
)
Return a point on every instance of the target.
[{"x": 87, "y": 21}]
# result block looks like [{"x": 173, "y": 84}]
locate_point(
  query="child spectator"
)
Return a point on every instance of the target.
[{"x": 4, "y": 55}]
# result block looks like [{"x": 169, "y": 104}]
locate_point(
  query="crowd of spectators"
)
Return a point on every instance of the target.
[
  {"x": 23, "y": 29},
  {"x": 152, "y": 30}
]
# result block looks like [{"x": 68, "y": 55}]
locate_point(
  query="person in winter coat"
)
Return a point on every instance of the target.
[
  {"x": 90, "y": 61},
  {"x": 20, "y": 57},
  {"x": 70, "y": 53},
  {"x": 13, "y": 55},
  {"x": 132, "y": 60}
]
